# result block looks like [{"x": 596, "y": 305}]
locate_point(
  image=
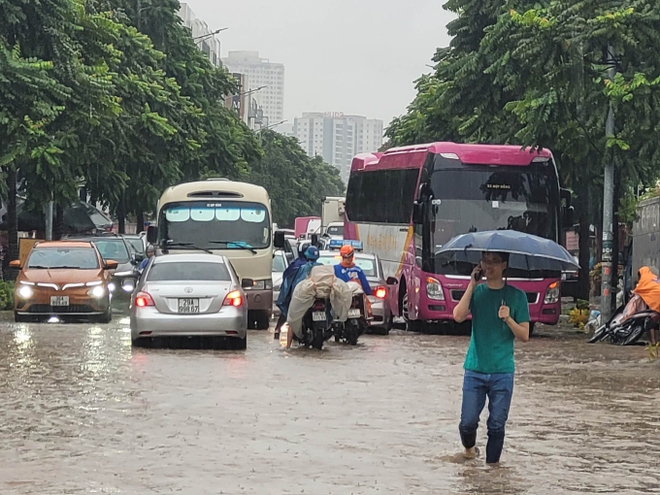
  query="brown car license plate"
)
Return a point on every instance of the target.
[
  {"x": 188, "y": 306},
  {"x": 59, "y": 301}
]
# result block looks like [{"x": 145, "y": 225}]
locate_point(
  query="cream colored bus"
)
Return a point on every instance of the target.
[{"x": 224, "y": 217}]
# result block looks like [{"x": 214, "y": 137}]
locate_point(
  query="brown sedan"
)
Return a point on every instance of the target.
[{"x": 65, "y": 278}]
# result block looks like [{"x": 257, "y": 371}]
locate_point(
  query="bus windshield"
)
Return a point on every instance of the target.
[
  {"x": 477, "y": 200},
  {"x": 491, "y": 198},
  {"x": 216, "y": 225}
]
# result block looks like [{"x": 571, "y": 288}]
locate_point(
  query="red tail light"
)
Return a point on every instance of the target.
[
  {"x": 143, "y": 299},
  {"x": 234, "y": 298},
  {"x": 380, "y": 293},
  {"x": 319, "y": 305}
]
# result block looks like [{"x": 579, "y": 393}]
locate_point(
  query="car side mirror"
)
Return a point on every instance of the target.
[
  {"x": 278, "y": 239},
  {"x": 110, "y": 265},
  {"x": 247, "y": 283},
  {"x": 418, "y": 213},
  {"x": 137, "y": 258},
  {"x": 15, "y": 264},
  {"x": 391, "y": 281},
  {"x": 315, "y": 239},
  {"x": 152, "y": 234}
]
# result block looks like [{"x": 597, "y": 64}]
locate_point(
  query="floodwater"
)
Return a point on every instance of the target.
[{"x": 82, "y": 412}]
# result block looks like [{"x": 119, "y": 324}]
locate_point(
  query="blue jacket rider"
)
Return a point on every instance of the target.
[{"x": 348, "y": 271}]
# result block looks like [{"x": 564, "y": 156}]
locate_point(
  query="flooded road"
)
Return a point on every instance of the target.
[{"x": 82, "y": 412}]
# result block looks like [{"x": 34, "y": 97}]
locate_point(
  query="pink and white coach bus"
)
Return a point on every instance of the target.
[{"x": 406, "y": 203}]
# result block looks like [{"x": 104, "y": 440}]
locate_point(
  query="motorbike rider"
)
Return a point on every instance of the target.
[
  {"x": 151, "y": 251},
  {"x": 348, "y": 271},
  {"x": 311, "y": 256},
  {"x": 286, "y": 289}
]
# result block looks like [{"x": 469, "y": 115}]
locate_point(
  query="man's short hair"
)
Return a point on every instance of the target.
[{"x": 503, "y": 256}]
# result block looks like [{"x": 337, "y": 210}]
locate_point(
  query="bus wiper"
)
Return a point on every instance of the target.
[
  {"x": 187, "y": 245},
  {"x": 232, "y": 245}
]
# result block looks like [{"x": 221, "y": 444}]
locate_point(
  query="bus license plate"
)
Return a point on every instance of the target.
[
  {"x": 59, "y": 301},
  {"x": 354, "y": 313},
  {"x": 188, "y": 306},
  {"x": 318, "y": 316}
]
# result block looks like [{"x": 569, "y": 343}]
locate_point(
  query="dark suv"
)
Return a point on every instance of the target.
[{"x": 116, "y": 248}]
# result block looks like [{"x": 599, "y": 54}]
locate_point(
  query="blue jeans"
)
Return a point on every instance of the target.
[{"x": 499, "y": 390}]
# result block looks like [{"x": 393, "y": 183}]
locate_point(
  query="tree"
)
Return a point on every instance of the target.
[
  {"x": 535, "y": 74},
  {"x": 296, "y": 183}
]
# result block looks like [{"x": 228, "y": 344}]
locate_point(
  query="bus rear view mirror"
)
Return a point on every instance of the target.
[
  {"x": 315, "y": 240},
  {"x": 569, "y": 214},
  {"x": 418, "y": 213},
  {"x": 152, "y": 234},
  {"x": 279, "y": 239},
  {"x": 391, "y": 281}
]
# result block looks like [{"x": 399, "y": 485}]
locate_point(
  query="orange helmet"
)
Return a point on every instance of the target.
[{"x": 347, "y": 251}]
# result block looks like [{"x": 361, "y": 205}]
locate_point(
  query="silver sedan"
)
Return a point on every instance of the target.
[{"x": 182, "y": 295}]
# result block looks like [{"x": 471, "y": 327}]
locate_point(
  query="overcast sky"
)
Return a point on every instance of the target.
[{"x": 352, "y": 56}]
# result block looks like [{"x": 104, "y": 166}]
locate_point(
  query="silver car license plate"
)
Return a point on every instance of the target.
[
  {"x": 353, "y": 313},
  {"x": 318, "y": 316},
  {"x": 59, "y": 301},
  {"x": 188, "y": 306}
]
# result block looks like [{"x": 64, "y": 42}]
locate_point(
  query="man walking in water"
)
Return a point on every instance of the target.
[{"x": 500, "y": 314}]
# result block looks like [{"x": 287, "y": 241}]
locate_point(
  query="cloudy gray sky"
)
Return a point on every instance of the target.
[{"x": 352, "y": 56}]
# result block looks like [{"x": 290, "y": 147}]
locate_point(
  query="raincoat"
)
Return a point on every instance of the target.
[
  {"x": 286, "y": 289},
  {"x": 648, "y": 288}
]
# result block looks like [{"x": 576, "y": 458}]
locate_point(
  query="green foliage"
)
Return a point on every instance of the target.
[
  {"x": 296, "y": 183},
  {"x": 6, "y": 295}
]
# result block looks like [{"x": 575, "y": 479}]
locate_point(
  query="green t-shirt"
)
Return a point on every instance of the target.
[{"x": 491, "y": 344}]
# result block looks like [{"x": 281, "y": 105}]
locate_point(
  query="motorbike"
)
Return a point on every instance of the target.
[
  {"x": 357, "y": 322},
  {"x": 627, "y": 324},
  {"x": 317, "y": 324}
]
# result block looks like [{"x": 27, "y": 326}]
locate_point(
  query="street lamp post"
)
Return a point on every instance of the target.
[{"x": 208, "y": 35}]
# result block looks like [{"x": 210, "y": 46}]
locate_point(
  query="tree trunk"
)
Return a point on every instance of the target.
[
  {"x": 58, "y": 223},
  {"x": 139, "y": 221},
  {"x": 585, "y": 253},
  {"x": 12, "y": 220},
  {"x": 121, "y": 215}
]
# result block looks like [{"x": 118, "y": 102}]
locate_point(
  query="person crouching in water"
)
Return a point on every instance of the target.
[{"x": 500, "y": 314}]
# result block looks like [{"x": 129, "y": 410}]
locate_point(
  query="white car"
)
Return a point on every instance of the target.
[{"x": 185, "y": 295}]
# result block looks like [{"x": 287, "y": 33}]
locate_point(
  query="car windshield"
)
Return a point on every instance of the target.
[
  {"x": 336, "y": 230},
  {"x": 368, "y": 265},
  {"x": 188, "y": 271},
  {"x": 221, "y": 225},
  {"x": 279, "y": 265},
  {"x": 136, "y": 245},
  {"x": 54, "y": 258},
  {"x": 112, "y": 249}
]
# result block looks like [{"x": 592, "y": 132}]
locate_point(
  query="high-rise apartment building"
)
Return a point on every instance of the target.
[
  {"x": 261, "y": 73},
  {"x": 337, "y": 137},
  {"x": 202, "y": 34}
]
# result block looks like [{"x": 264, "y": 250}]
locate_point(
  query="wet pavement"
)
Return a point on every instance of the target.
[{"x": 82, "y": 412}]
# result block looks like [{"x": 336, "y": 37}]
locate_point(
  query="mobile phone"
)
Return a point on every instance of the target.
[{"x": 478, "y": 275}]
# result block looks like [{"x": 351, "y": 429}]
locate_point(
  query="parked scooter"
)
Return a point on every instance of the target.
[
  {"x": 628, "y": 323},
  {"x": 358, "y": 318}
]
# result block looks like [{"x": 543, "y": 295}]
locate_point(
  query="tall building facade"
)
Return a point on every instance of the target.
[
  {"x": 265, "y": 83},
  {"x": 337, "y": 137},
  {"x": 202, "y": 34}
]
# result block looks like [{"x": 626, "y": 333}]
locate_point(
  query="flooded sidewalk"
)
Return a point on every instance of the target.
[{"x": 82, "y": 412}]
